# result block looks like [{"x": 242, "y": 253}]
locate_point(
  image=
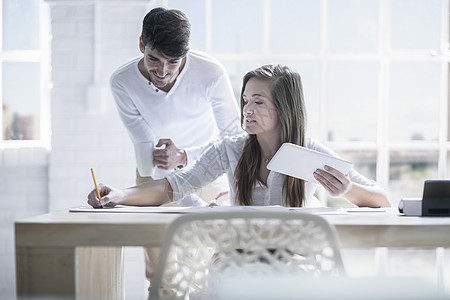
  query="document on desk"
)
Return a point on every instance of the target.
[
  {"x": 367, "y": 210},
  {"x": 172, "y": 209},
  {"x": 190, "y": 209},
  {"x": 320, "y": 210},
  {"x": 138, "y": 209}
]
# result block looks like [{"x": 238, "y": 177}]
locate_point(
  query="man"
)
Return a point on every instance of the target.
[{"x": 174, "y": 97}]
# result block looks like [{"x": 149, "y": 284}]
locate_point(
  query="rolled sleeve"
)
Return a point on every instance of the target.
[{"x": 207, "y": 168}]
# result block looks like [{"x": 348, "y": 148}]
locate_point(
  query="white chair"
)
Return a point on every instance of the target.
[{"x": 202, "y": 250}]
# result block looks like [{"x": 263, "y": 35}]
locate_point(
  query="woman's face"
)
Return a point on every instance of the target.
[{"x": 260, "y": 114}]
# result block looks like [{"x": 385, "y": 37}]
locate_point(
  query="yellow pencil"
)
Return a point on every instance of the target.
[{"x": 95, "y": 183}]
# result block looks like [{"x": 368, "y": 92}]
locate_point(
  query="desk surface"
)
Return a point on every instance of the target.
[
  {"x": 355, "y": 229},
  {"x": 57, "y": 253}
]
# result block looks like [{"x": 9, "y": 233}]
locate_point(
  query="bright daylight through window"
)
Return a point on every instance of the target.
[
  {"x": 375, "y": 74},
  {"x": 20, "y": 70}
]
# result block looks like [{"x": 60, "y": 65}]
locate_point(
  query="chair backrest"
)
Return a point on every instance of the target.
[{"x": 201, "y": 249}]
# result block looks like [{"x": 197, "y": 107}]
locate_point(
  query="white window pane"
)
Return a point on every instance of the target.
[
  {"x": 352, "y": 101},
  {"x": 408, "y": 171},
  {"x": 20, "y": 24},
  {"x": 415, "y": 24},
  {"x": 21, "y": 101},
  {"x": 295, "y": 26},
  {"x": 236, "y": 71},
  {"x": 353, "y": 26},
  {"x": 195, "y": 11},
  {"x": 448, "y": 165},
  {"x": 365, "y": 162},
  {"x": 237, "y": 26},
  {"x": 414, "y": 101}
]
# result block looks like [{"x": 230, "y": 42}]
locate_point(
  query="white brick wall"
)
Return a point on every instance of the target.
[
  {"x": 86, "y": 130},
  {"x": 23, "y": 186}
]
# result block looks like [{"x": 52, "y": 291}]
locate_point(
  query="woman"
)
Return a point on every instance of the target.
[{"x": 273, "y": 112}]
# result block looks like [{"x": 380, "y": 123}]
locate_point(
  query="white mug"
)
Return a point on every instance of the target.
[{"x": 144, "y": 158}]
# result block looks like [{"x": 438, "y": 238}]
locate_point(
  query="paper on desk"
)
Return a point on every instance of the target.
[
  {"x": 320, "y": 210},
  {"x": 170, "y": 209},
  {"x": 301, "y": 162},
  {"x": 366, "y": 210},
  {"x": 311, "y": 210},
  {"x": 190, "y": 209},
  {"x": 139, "y": 209}
]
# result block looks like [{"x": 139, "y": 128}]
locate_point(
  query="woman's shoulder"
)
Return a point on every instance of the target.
[
  {"x": 231, "y": 146},
  {"x": 235, "y": 141}
]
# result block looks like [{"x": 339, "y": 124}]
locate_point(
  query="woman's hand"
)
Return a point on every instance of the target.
[
  {"x": 338, "y": 184},
  {"x": 215, "y": 201},
  {"x": 334, "y": 182},
  {"x": 110, "y": 196}
]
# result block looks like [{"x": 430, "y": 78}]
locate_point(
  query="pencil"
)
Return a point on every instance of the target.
[{"x": 95, "y": 183}]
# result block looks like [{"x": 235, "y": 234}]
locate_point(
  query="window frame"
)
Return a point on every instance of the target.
[
  {"x": 41, "y": 56},
  {"x": 385, "y": 56}
]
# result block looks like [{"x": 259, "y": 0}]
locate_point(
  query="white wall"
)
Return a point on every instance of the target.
[
  {"x": 23, "y": 186},
  {"x": 90, "y": 40}
]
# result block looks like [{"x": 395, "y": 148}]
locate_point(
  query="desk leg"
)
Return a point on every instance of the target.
[
  {"x": 45, "y": 272},
  {"x": 100, "y": 273}
]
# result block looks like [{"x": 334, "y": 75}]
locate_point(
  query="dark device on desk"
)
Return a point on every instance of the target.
[{"x": 436, "y": 198}]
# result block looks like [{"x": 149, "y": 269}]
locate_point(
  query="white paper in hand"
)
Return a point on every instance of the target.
[{"x": 301, "y": 162}]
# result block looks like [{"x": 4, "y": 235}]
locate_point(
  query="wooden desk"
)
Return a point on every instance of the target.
[{"x": 49, "y": 247}]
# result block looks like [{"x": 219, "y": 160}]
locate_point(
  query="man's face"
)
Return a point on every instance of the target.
[{"x": 162, "y": 70}]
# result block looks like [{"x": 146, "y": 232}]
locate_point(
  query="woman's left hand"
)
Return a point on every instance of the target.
[{"x": 334, "y": 182}]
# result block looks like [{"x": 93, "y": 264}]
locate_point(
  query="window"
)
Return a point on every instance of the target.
[
  {"x": 375, "y": 74},
  {"x": 21, "y": 69}
]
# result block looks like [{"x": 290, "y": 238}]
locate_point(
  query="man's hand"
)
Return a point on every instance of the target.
[{"x": 169, "y": 157}]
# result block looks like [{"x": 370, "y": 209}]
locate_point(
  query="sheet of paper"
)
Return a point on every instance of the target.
[
  {"x": 206, "y": 209},
  {"x": 170, "y": 209},
  {"x": 320, "y": 210},
  {"x": 366, "y": 210},
  {"x": 139, "y": 209},
  {"x": 300, "y": 162}
]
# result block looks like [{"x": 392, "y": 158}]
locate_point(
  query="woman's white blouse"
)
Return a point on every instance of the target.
[{"x": 223, "y": 156}]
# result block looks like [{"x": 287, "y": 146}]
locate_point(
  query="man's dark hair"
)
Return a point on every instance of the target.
[{"x": 167, "y": 31}]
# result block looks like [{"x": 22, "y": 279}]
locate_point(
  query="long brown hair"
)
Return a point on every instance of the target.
[{"x": 287, "y": 94}]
